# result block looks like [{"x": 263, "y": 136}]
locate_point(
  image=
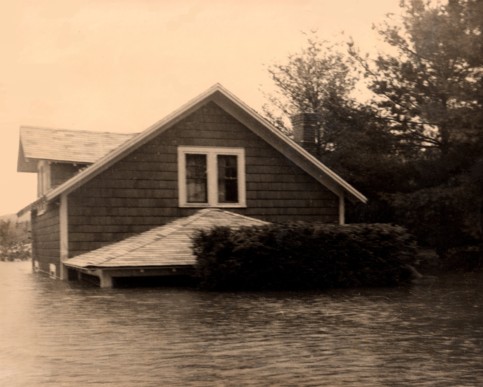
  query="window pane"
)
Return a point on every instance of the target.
[
  {"x": 196, "y": 179},
  {"x": 227, "y": 179}
]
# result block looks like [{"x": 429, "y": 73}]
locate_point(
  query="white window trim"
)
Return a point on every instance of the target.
[
  {"x": 43, "y": 183},
  {"x": 212, "y": 170},
  {"x": 43, "y": 177}
]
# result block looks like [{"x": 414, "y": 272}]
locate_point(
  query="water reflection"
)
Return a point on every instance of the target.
[{"x": 55, "y": 334}]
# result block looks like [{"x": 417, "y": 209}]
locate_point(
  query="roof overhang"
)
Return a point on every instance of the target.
[{"x": 64, "y": 146}]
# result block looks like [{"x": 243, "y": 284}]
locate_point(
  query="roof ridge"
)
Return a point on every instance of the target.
[
  {"x": 242, "y": 216},
  {"x": 75, "y": 130}
]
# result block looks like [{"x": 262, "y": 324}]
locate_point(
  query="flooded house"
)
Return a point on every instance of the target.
[{"x": 113, "y": 206}]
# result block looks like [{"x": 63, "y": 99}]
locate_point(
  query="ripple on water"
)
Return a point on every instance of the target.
[{"x": 53, "y": 334}]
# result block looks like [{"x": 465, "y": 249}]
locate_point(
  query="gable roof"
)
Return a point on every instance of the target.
[
  {"x": 168, "y": 245},
  {"x": 239, "y": 110},
  {"x": 72, "y": 146}
]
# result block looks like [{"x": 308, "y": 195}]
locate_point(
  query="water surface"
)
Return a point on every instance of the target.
[{"x": 59, "y": 334}]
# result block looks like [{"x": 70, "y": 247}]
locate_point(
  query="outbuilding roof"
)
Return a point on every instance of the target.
[
  {"x": 63, "y": 145},
  {"x": 164, "y": 246}
]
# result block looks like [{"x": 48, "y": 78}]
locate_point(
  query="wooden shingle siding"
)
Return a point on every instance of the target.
[
  {"x": 46, "y": 238},
  {"x": 141, "y": 191},
  {"x": 60, "y": 172}
]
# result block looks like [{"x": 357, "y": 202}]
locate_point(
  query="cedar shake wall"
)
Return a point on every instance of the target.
[
  {"x": 60, "y": 172},
  {"x": 46, "y": 238},
  {"x": 141, "y": 191}
]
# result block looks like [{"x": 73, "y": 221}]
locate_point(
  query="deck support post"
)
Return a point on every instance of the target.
[
  {"x": 341, "y": 209},
  {"x": 64, "y": 235},
  {"x": 106, "y": 279}
]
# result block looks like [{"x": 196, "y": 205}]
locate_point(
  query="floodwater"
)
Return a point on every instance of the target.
[{"x": 59, "y": 334}]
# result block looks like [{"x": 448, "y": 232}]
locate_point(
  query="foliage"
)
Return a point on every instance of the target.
[
  {"x": 316, "y": 80},
  {"x": 353, "y": 140},
  {"x": 14, "y": 243},
  {"x": 442, "y": 217},
  {"x": 416, "y": 148},
  {"x": 303, "y": 256},
  {"x": 363, "y": 151},
  {"x": 430, "y": 90}
]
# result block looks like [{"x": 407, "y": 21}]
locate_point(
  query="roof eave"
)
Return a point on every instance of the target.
[{"x": 32, "y": 206}]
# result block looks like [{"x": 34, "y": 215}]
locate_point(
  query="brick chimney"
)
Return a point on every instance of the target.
[{"x": 306, "y": 131}]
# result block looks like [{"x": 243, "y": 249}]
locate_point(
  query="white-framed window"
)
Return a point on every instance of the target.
[{"x": 211, "y": 177}]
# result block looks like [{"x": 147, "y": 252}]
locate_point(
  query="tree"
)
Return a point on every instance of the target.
[
  {"x": 416, "y": 148},
  {"x": 352, "y": 139},
  {"x": 430, "y": 91},
  {"x": 318, "y": 79}
]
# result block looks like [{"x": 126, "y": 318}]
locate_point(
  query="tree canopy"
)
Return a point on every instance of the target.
[
  {"x": 416, "y": 147},
  {"x": 430, "y": 90},
  {"x": 317, "y": 79},
  {"x": 320, "y": 79}
]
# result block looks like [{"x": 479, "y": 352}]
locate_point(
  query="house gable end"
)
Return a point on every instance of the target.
[
  {"x": 237, "y": 109},
  {"x": 140, "y": 191}
]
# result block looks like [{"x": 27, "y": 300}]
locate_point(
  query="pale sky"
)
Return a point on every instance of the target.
[{"x": 121, "y": 65}]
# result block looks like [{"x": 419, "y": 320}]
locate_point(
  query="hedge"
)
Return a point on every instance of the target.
[{"x": 303, "y": 256}]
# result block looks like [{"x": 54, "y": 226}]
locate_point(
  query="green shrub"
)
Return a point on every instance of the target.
[{"x": 303, "y": 256}]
